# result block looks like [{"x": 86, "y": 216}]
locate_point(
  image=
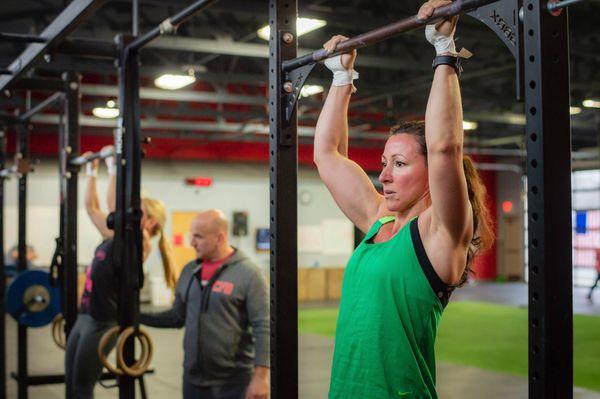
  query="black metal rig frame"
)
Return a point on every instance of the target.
[
  {"x": 128, "y": 237},
  {"x": 67, "y": 94},
  {"x": 22, "y": 155},
  {"x": 64, "y": 267},
  {"x": 542, "y": 39},
  {"x": 544, "y": 42},
  {"x": 2, "y": 272}
]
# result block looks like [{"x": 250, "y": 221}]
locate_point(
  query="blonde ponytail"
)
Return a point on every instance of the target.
[
  {"x": 156, "y": 210},
  {"x": 166, "y": 253}
]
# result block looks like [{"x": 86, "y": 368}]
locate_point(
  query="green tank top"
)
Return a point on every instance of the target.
[{"x": 391, "y": 305}]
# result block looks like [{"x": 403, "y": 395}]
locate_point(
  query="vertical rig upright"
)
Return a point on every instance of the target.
[
  {"x": 283, "y": 176},
  {"x": 548, "y": 131},
  {"x": 2, "y": 272},
  {"x": 128, "y": 235},
  {"x": 69, "y": 148},
  {"x": 23, "y": 153}
]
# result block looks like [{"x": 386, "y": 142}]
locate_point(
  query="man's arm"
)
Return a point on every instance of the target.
[
  {"x": 259, "y": 387},
  {"x": 257, "y": 306},
  {"x": 172, "y": 318}
]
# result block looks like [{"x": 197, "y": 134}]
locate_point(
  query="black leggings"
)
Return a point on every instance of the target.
[
  {"x": 191, "y": 391},
  {"x": 82, "y": 364},
  {"x": 594, "y": 285}
]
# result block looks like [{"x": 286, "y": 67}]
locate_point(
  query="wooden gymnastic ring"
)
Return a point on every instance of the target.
[
  {"x": 58, "y": 331},
  {"x": 145, "y": 351},
  {"x": 140, "y": 366},
  {"x": 102, "y": 345}
]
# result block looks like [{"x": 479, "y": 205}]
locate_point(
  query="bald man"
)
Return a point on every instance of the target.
[{"x": 221, "y": 300}]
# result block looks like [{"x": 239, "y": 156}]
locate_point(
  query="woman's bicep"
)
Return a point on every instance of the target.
[{"x": 449, "y": 194}]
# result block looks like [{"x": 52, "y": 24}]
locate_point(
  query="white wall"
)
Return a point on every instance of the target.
[
  {"x": 509, "y": 187},
  {"x": 586, "y": 197},
  {"x": 236, "y": 187}
]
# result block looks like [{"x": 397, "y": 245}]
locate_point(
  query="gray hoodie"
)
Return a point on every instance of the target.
[{"x": 226, "y": 322}]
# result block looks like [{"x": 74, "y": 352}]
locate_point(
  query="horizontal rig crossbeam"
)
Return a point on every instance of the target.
[
  {"x": 56, "y": 98},
  {"x": 58, "y": 29}
]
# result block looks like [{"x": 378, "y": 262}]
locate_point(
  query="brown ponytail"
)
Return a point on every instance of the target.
[{"x": 483, "y": 233}]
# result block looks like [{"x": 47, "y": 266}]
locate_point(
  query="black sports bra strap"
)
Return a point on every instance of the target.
[{"x": 441, "y": 289}]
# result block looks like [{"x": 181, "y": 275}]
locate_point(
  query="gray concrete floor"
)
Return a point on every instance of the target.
[
  {"x": 314, "y": 364},
  {"x": 515, "y": 294},
  {"x": 314, "y": 358},
  {"x": 453, "y": 381}
]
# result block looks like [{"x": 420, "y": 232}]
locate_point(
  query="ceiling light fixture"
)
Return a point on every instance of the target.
[
  {"x": 591, "y": 103},
  {"x": 303, "y": 26},
  {"x": 105, "y": 113},
  {"x": 173, "y": 82},
  {"x": 574, "y": 110}
]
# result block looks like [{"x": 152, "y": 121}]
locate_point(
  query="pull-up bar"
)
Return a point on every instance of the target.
[
  {"x": 20, "y": 168},
  {"x": 385, "y": 32},
  {"x": 170, "y": 25},
  {"x": 102, "y": 154},
  {"x": 9, "y": 172},
  {"x": 21, "y": 38},
  {"x": 558, "y": 5}
]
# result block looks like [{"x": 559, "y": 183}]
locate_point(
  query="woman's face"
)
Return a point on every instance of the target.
[{"x": 404, "y": 173}]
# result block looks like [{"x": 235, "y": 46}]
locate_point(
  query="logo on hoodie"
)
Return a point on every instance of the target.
[{"x": 223, "y": 287}]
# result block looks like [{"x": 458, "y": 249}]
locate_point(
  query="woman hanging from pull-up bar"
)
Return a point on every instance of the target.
[
  {"x": 98, "y": 309},
  {"x": 421, "y": 233}
]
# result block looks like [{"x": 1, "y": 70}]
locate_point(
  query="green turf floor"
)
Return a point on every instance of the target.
[{"x": 488, "y": 336}]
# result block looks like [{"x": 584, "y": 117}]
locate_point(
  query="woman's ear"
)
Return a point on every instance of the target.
[{"x": 153, "y": 227}]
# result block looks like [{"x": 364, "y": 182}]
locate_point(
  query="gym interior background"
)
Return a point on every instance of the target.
[{"x": 216, "y": 128}]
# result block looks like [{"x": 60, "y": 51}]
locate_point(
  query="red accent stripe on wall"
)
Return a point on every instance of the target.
[
  {"x": 485, "y": 265},
  {"x": 43, "y": 144}
]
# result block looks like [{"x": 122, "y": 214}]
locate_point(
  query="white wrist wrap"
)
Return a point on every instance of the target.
[
  {"x": 110, "y": 165},
  {"x": 341, "y": 75},
  {"x": 443, "y": 44},
  {"x": 90, "y": 171}
]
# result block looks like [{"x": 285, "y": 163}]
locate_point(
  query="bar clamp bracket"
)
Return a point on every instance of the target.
[
  {"x": 295, "y": 80},
  {"x": 504, "y": 19}
]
